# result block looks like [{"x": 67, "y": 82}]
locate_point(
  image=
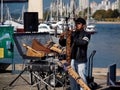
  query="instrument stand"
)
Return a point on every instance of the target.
[
  {"x": 38, "y": 79},
  {"x": 34, "y": 69},
  {"x": 31, "y": 72},
  {"x": 90, "y": 79},
  {"x": 20, "y": 75},
  {"x": 66, "y": 80}
]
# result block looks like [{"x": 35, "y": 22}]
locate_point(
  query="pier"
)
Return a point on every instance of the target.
[{"x": 99, "y": 74}]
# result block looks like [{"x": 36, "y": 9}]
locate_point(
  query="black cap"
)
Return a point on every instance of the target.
[{"x": 80, "y": 20}]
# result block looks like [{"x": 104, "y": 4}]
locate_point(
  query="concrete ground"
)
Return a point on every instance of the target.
[{"x": 99, "y": 74}]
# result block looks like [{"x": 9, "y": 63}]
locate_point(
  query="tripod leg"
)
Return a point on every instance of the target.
[
  {"x": 38, "y": 85},
  {"x": 17, "y": 77}
]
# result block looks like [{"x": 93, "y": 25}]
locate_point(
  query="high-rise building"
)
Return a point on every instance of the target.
[
  {"x": 83, "y": 4},
  {"x": 93, "y": 6},
  {"x": 36, "y": 6},
  {"x": 118, "y": 5},
  {"x": 105, "y": 4}
]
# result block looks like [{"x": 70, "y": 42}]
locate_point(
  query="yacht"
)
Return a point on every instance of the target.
[
  {"x": 90, "y": 22},
  {"x": 90, "y": 28}
]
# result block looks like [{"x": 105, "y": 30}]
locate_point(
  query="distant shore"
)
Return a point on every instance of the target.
[{"x": 104, "y": 22}]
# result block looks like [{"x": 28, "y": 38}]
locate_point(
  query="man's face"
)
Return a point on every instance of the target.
[{"x": 79, "y": 26}]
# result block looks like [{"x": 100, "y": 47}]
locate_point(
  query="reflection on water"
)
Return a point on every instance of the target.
[{"x": 107, "y": 44}]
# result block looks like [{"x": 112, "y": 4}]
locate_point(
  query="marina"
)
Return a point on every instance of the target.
[
  {"x": 101, "y": 61},
  {"x": 32, "y": 58}
]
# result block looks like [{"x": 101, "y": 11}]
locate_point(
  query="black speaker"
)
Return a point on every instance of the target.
[{"x": 31, "y": 21}]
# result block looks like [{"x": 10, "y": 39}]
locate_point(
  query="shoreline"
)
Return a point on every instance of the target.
[{"x": 104, "y": 22}]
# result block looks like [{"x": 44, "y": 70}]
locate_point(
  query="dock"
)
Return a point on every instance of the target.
[{"x": 99, "y": 74}]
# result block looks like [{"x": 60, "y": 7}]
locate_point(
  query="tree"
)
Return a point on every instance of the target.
[
  {"x": 115, "y": 14},
  {"x": 109, "y": 13},
  {"x": 99, "y": 15}
]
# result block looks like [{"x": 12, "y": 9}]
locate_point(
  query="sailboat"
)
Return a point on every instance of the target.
[
  {"x": 90, "y": 22},
  {"x": 11, "y": 22},
  {"x": 90, "y": 26}
]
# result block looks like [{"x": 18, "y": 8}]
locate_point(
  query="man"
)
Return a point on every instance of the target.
[{"x": 79, "y": 44}]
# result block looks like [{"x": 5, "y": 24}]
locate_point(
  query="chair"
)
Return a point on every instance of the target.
[
  {"x": 38, "y": 67},
  {"x": 111, "y": 78}
]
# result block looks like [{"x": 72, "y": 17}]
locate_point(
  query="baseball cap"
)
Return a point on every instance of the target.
[{"x": 80, "y": 20}]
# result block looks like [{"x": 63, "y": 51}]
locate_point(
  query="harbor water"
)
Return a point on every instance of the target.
[{"x": 106, "y": 42}]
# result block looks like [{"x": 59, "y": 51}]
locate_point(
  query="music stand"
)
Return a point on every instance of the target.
[{"x": 26, "y": 38}]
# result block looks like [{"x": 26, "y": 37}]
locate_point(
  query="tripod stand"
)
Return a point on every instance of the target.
[{"x": 20, "y": 75}]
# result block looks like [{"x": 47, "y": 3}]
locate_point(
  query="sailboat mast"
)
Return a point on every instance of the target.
[
  {"x": 57, "y": 9},
  {"x": 88, "y": 12},
  {"x": 1, "y": 11},
  {"x": 51, "y": 10}
]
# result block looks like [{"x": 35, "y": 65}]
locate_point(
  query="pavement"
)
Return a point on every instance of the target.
[
  {"x": 20, "y": 84},
  {"x": 99, "y": 75}
]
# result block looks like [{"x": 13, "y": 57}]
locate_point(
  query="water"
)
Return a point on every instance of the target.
[{"x": 107, "y": 44}]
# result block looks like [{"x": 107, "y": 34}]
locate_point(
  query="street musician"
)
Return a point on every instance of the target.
[{"x": 79, "y": 40}]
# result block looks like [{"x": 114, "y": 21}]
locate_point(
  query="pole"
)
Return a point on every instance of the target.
[
  {"x": 1, "y": 11},
  {"x": 57, "y": 10},
  {"x": 88, "y": 13}
]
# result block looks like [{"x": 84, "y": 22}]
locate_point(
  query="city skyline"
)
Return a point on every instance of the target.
[
  {"x": 17, "y": 7},
  {"x": 46, "y": 3}
]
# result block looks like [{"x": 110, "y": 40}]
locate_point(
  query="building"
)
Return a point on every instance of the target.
[
  {"x": 36, "y": 6},
  {"x": 114, "y": 5},
  {"x": 83, "y": 4},
  {"x": 118, "y": 5},
  {"x": 105, "y": 5},
  {"x": 93, "y": 6}
]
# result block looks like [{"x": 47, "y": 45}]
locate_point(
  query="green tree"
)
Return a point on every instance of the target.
[
  {"x": 99, "y": 15},
  {"x": 115, "y": 14},
  {"x": 108, "y": 13}
]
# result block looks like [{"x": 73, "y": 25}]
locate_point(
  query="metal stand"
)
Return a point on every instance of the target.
[
  {"x": 40, "y": 69},
  {"x": 31, "y": 72},
  {"x": 90, "y": 78},
  {"x": 20, "y": 75}
]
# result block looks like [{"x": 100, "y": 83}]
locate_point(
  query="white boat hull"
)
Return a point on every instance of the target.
[{"x": 90, "y": 29}]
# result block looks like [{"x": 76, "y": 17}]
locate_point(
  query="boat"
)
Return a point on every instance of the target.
[
  {"x": 43, "y": 27},
  {"x": 9, "y": 21},
  {"x": 90, "y": 27},
  {"x": 16, "y": 25}
]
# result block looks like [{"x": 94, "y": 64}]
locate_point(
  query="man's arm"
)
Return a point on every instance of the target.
[{"x": 82, "y": 41}]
